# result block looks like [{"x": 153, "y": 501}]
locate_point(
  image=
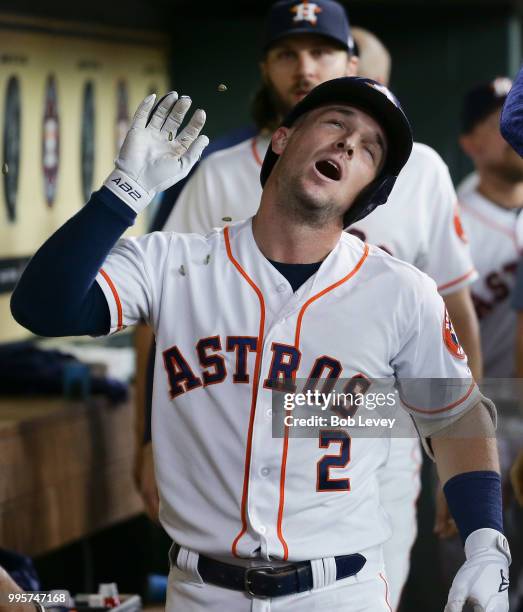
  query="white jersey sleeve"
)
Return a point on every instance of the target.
[
  {"x": 191, "y": 212},
  {"x": 449, "y": 261},
  {"x": 131, "y": 279},
  {"x": 434, "y": 380},
  {"x": 224, "y": 189}
]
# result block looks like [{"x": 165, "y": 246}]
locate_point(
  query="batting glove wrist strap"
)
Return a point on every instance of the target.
[
  {"x": 487, "y": 541},
  {"x": 128, "y": 190},
  {"x": 483, "y": 579}
]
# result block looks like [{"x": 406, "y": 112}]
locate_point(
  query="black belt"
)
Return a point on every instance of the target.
[{"x": 265, "y": 580}]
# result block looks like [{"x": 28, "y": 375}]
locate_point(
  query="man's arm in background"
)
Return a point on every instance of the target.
[
  {"x": 9, "y": 587},
  {"x": 144, "y": 476}
]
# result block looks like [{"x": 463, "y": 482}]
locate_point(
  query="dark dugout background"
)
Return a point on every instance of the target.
[{"x": 439, "y": 48}]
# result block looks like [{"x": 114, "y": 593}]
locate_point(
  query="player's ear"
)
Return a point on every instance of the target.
[
  {"x": 468, "y": 144},
  {"x": 279, "y": 140},
  {"x": 353, "y": 62}
]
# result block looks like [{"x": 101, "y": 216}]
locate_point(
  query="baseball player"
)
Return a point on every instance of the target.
[
  {"x": 420, "y": 223},
  {"x": 489, "y": 211},
  {"x": 258, "y": 522}
]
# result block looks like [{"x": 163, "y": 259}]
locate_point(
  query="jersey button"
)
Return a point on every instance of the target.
[
  {"x": 281, "y": 287},
  {"x": 265, "y": 472},
  {"x": 262, "y": 529},
  {"x": 268, "y": 413}
]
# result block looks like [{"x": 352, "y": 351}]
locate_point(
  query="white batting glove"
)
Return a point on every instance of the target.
[
  {"x": 483, "y": 579},
  {"x": 153, "y": 157}
]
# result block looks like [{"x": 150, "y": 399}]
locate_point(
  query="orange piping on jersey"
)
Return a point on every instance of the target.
[
  {"x": 255, "y": 383},
  {"x": 327, "y": 290},
  {"x": 445, "y": 408},
  {"x": 386, "y": 591},
  {"x": 457, "y": 280},
  {"x": 492, "y": 224},
  {"x": 116, "y": 298},
  {"x": 254, "y": 150},
  {"x": 286, "y": 434}
]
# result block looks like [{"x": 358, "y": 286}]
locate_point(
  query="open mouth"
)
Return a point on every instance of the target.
[{"x": 328, "y": 168}]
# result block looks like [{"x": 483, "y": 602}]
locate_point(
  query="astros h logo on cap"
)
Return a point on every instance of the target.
[
  {"x": 306, "y": 11},
  {"x": 326, "y": 18}
]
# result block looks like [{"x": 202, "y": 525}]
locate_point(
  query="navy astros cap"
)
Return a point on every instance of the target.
[
  {"x": 482, "y": 100},
  {"x": 323, "y": 17},
  {"x": 367, "y": 95}
]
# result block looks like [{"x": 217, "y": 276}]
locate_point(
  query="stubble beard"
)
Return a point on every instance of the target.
[
  {"x": 511, "y": 173},
  {"x": 282, "y": 107},
  {"x": 301, "y": 207}
]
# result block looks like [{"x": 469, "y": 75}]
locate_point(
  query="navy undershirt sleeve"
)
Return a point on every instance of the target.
[{"x": 57, "y": 294}]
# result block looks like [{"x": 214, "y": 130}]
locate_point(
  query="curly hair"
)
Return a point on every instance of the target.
[{"x": 264, "y": 111}]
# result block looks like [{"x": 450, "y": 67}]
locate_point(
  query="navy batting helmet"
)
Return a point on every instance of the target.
[{"x": 383, "y": 106}]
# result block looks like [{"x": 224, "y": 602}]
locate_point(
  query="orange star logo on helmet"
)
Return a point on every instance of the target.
[
  {"x": 451, "y": 339},
  {"x": 306, "y": 11}
]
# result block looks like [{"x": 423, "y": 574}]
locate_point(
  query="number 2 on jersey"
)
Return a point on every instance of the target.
[{"x": 324, "y": 480}]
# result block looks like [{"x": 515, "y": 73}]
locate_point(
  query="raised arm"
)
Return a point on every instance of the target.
[{"x": 57, "y": 294}]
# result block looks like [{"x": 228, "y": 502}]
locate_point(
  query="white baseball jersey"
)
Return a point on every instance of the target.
[
  {"x": 228, "y": 326},
  {"x": 418, "y": 224},
  {"x": 491, "y": 230}
]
